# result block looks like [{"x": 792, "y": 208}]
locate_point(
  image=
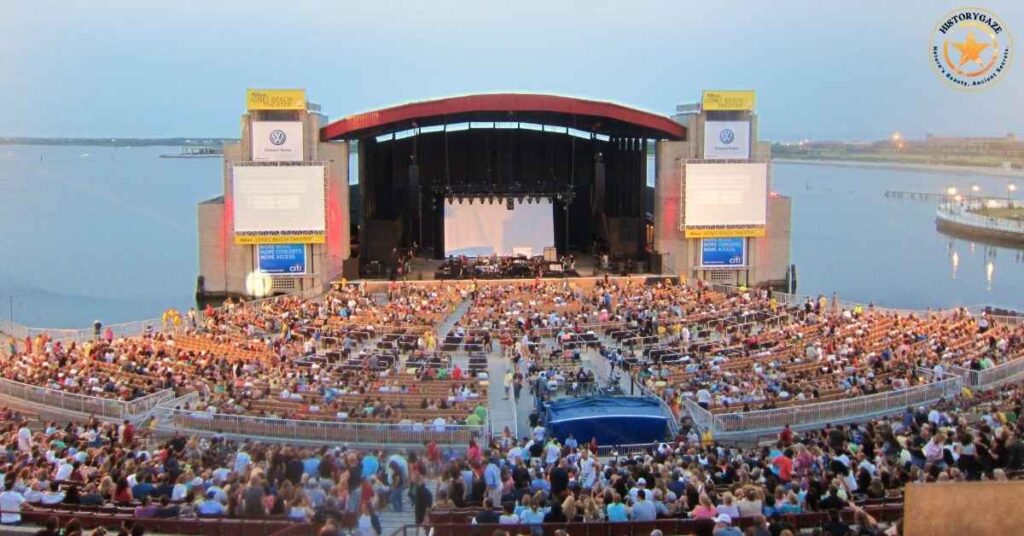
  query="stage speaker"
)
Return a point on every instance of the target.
[
  {"x": 656, "y": 263},
  {"x": 414, "y": 186},
  {"x": 510, "y": 203},
  {"x": 350, "y": 269}
]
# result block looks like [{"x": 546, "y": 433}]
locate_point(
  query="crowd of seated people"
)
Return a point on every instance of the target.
[
  {"x": 337, "y": 358},
  {"x": 806, "y": 353},
  {"x": 840, "y": 479},
  {"x": 96, "y": 470},
  {"x": 835, "y": 477}
]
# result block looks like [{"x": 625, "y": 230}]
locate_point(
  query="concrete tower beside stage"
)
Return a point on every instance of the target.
[
  {"x": 716, "y": 217},
  {"x": 269, "y": 221}
]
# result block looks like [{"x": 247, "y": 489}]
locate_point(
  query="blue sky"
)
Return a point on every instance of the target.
[{"x": 837, "y": 70}]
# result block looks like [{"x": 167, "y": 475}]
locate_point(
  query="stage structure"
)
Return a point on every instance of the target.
[
  {"x": 505, "y": 174},
  {"x": 621, "y": 420}
]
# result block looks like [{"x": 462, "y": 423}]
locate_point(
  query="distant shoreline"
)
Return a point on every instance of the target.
[
  {"x": 117, "y": 142},
  {"x": 908, "y": 166}
]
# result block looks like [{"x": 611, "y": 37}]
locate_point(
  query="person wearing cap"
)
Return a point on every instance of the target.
[
  {"x": 643, "y": 508},
  {"x": 211, "y": 507},
  {"x": 641, "y": 484},
  {"x": 723, "y": 526}
]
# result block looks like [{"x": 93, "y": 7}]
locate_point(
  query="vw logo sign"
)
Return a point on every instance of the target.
[
  {"x": 726, "y": 136},
  {"x": 278, "y": 137}
]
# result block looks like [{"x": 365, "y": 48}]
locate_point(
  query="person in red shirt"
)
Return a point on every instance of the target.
[
  {"x": 783, "y": 465},
  {"x": 786, "y": 436},
  {"x": 457, "y": 373},
  {"x": 433, "y": 456},
  {"x": 127, "y": 433},
  {"x": 473, "y": 453}
]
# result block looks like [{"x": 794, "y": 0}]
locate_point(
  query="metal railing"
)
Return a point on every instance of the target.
[
  {"x": 821, "y": 413},
  {"x": 993, "y": 377},
  {"x": 960, "y": 213},
  {"x": 57, "y": 400},
  {"x": 317, "y": 432},
  {"x": 701, "y": 417},
  {"x": 142, "y": 406}
]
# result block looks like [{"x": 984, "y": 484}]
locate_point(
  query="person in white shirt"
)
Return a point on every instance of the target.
[
  {"x": 588, "y": 469},
  {"x": 553, "y": 451},
  {"x": 635, "y": 491},
  {"x": 11, "y": 503},
  {"x": 54, "y": 495},
  {"x": 63, "y": 471},
  {"x": 180, "y": 490},
  {"x": 25, "y": 439},
  {"x": 242, "y": 460},
  {"x": 704, "y": 398}
]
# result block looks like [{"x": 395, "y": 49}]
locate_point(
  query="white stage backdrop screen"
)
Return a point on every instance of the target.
[
  {"x": 279, "y": 199},
  {"x": 726, "y": 194},
  {"x": 479, "y": 230}
]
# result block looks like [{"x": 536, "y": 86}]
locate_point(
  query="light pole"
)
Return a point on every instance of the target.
[
  {"x": 974, "y": 192},
  {"x": 1010, "y": 188},
  {"x": 950, "y": 193}
]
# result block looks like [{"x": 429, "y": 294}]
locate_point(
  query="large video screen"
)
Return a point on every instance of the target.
[
  {"x": 279, "y": 199},
  {"x": 480, "y": 229},
  {"x": 726, "y": 194}
]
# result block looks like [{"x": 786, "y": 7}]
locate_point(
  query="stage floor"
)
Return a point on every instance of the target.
[{"x": 423, "y": 269}]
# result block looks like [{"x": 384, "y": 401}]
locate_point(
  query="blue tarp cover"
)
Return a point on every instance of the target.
[{"x": 612, "y": 420}]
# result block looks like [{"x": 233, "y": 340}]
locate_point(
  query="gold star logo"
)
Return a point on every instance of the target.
[{"x": 970, "y": 50}]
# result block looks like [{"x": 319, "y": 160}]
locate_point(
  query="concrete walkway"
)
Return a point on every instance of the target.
[
  {"x": 445, "y": 327},
  {"x": 503, "y": 411}
]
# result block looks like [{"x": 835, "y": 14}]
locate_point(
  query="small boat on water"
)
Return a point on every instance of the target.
[{"x": 194, "y": 152}]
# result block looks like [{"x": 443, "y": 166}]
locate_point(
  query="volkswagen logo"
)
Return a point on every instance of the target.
[
  {"x": 278, "y": 137},
  {"x": 726, "y": 136}
]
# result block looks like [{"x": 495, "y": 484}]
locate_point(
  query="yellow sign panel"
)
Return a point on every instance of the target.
[
  {"x": 720, "y": 232},
  {"x": 275, "y": 99},
  {"x": 728, "y": 100},
  {"x": 303, "y": 238}
]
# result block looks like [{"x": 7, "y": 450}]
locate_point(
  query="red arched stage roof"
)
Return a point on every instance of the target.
[{"x": 586, "y": 115}]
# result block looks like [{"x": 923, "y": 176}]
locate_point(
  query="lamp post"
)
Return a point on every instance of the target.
[
  {"x": 974, "y": 193},
  {"x": 1010, "y": 188},
  {"x": 950, "y": 193}
]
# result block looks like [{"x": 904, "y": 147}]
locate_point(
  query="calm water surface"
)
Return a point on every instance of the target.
[{"x": 102, "y": 233}]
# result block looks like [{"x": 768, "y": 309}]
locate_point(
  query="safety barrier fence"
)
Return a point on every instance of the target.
[
  {"x": 702, "y": 418},
  {"x": 56, "y": 400},
  {"x": 317, "y": 431},
  {"x": 625, "y": 450},
  {"x": 960, "y": 213},
  {"x": 993, "y": 377},
  {"x": 821, "y": 413}
]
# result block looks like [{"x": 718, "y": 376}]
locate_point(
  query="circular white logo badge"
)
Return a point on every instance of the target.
[
  {"x": 278, "y": 137},
  {"x": 971, "y": 48}
]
